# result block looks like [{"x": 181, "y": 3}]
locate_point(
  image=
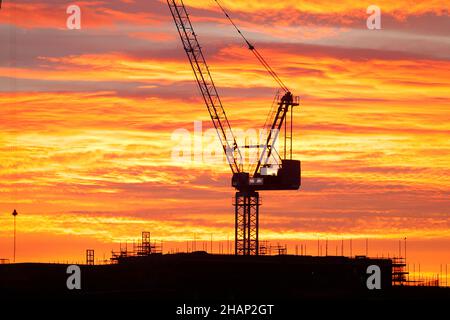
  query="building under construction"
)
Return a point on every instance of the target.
[
  {"x": 141, "y": 270},
  {"x": 201, "y": 276}
]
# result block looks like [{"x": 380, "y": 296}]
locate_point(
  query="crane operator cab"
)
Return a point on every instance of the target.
[
  {"x": 286, "y": 177},
  {"x": 286, "y": 173}
]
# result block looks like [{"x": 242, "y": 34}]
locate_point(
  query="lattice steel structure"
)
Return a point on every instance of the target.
[
  {"x": 144, "y": 248},
  {"x": 90, "y": 257},
  {"x": 246, "y": 208}
]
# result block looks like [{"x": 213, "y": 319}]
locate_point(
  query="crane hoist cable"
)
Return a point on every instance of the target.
[{"x": 252, "y": 48}]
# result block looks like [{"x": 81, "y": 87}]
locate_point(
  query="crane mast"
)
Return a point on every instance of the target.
[
  {"x": 206, "y": 84},
  {"x": 246, "y": 200}
]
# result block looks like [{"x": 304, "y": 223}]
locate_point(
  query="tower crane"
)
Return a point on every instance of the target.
[{"x": 285, "y": 175}]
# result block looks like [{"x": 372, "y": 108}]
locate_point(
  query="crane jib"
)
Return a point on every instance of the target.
[{"x": 206, "y": 84}]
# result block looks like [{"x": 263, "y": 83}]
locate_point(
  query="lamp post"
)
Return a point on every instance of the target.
[
  {"x": 404, "y": 239},
  {"x": 406, "y": 263},
  {"x": 14, "y": 215}
]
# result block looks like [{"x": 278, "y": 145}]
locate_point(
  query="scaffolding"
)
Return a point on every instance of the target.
[
  {"x": 266, "y": 249},
  {"x": 90, "y": 254},
  {"x": 401, "y": 276},
  {"x": 280, "y": 250},
  {"x": 142, "y": 248},
  {"x": 399, "y": 272}
]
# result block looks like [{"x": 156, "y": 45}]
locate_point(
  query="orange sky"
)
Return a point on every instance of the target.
[{"x": 87, "y": 117}]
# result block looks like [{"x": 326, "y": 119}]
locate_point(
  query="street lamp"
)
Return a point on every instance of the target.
[{"x": 14, "y": 215}]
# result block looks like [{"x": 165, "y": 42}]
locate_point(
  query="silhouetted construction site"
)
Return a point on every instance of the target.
[
  {"x": 143, "y": 271},
  {"x": 254, "y": 269},
  {"x": 145, "y": 247}
]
